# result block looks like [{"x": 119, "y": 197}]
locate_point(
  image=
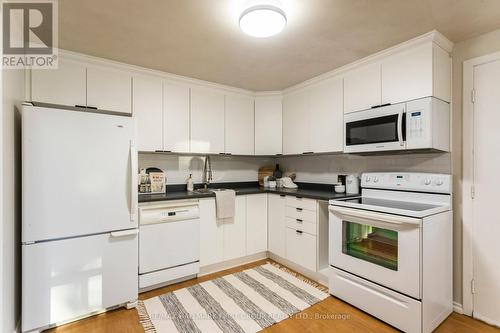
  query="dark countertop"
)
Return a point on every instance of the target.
[{"x": 305, "y": 190}]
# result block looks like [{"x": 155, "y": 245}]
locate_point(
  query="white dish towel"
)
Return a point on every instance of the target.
[{"x": 225, "y": 202}]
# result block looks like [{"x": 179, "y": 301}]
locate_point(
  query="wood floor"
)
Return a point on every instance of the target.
[{"x": 330, "y": 315}]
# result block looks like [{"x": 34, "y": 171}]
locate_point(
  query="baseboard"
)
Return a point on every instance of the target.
[
  {"x": 315, "y": 276},
  {"x": 458, "y": 308},
  {"x": 209, "y": 269},
  {"x": 487, "y": 320}
]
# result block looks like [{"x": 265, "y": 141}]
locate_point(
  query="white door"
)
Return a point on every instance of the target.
[
  {"x": 207, "y": 121},
  {"x": 175, "y": 117},
  {"x": 277, "y": 224},
  {"x": 211, "y": 234},
  {"x": 66, "y": 279},
  {"x": 256, "y": 223},
  {"x": 235, "y": 231},
  {"x": 109, "y": 89},
  {"x": 295, "y": 123},
  {"x": 147, "y": 108},
  {"x": 362, "y": 88},
  {"x": 65, "y": 85},
  {"x": 239, "y": 125},
  {"x": 268, "y": 125},
  {"x": 326, "y": 117},
  {"x": 485, "y": 221},
  {"x": 79, "y": 173}
]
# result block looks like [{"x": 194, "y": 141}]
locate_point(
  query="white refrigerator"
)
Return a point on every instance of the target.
[{"x": 79, "y": 214}]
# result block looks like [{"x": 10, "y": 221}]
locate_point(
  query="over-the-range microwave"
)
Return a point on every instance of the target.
[{"x": 418, "y": 124}]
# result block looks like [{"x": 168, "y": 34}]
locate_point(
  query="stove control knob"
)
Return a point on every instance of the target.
[
  {"x": 375, "y": 179},
  {"x": 368, "y": 179},
  {"x": 439, "y": 182},
  {"x": 427, "y": 181}
]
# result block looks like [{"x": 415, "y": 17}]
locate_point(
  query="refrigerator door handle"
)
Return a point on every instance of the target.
[{"x": 133, "y": 181}]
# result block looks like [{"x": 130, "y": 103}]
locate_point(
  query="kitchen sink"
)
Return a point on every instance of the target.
[{"x": 209, "y": 190}]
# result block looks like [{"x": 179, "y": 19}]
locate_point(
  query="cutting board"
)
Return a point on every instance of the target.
[{"x": 263, "y": 172}]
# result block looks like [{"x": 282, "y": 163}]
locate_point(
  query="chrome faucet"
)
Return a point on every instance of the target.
[{"x": 207, "y": 171}]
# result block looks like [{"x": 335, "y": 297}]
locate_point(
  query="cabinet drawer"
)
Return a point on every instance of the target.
[
  {"x": 299, "y": 202},
  {"x": 300, "y": 213},
  {"x": 301, "y": 225},
  {"x": 301, "y": 248}
]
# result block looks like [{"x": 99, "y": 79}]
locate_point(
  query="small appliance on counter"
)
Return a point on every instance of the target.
[
  {"x": 352, "y": 184},
  {"x": 152, "y": 181}
]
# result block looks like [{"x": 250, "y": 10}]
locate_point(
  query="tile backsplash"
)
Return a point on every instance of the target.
[
  {"x": 310, "y": 169},
  {"x": 326, "y": 168},
  {"x": 225, "y": 168}
]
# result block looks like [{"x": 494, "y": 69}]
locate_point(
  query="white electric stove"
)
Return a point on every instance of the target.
[{"x": 390, "y": 249}]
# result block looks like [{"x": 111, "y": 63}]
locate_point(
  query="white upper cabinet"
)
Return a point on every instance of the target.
[
  {"x": 109, "y": 89},
  {"x": 147, "y": 110},
  {"x": 207, "y": 121},
  {"x": 268, "y": 125},
  {"x": 419, "y": 72},
  {"x": 175, "y": 117},
  {"x": 65, "y": 85},
  {"x": 326, "y": 116},
  {"x": 362, "y": 88},
  {"x": 239, "y": 125},
  {"x": 295, "y": 123}
]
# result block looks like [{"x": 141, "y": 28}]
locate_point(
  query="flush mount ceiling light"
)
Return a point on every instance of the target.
[{"x": 262, "y": 20}]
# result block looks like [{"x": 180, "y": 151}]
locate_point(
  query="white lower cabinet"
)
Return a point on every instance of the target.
[
  {"x": 235, "y": 231},
  {"x": 227, "y": 239},
  {"x": 211, "y": 234},
  {"x": 301, "y": 248},
  {"x": 256, "y": 223},
  {"x": 276, "y": 214}
]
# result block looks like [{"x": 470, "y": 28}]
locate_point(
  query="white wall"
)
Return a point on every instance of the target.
[
  {"x": 225, "y": 169},
  {"x": 13, "y": 93}
]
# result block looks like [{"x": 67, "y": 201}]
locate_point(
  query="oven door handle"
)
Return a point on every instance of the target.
[
  {"x": 400, "y": 128},
  {"x": 380, "y": 218}
]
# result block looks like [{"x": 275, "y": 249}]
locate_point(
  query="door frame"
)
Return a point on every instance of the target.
[{"x": 468, "y": 137}]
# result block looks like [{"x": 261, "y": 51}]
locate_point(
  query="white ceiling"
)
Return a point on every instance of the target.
[{"x": 201, "y": 38}]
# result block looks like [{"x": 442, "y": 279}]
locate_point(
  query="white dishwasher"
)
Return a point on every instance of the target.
[{"x": 169, "y": 242}]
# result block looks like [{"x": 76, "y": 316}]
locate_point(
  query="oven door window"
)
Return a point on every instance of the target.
[
  {"x": 374, "y": 130},
  {"x": 376, "y": 245}
]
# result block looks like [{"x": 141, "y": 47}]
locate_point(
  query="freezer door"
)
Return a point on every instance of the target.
[
  {"x": 79, "y": 173},
  {"x": 66, "y": 279}
]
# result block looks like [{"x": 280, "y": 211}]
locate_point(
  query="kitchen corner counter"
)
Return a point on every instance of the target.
[{"x": 305, "y": 190}]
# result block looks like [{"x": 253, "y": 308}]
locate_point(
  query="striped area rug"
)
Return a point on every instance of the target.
[{"x": 247, "y": 301}]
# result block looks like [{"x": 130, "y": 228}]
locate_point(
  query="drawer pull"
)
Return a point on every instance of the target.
[
  {"x": 299, "y": 220},
  {"x": 299, "y": 198},
  {"x": 282, "y": 195},
  {"x": 299, "y": 232},
  {"x": 299, "y": 209}
]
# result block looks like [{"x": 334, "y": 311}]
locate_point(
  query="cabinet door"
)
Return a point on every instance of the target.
[
  {"x": 362, "y": 88},
  {"x": 175, "y": 117},
  {"x": 301, "y": 248},
  {"x": 295, "y": 123},
  {"x": 235, "y": 231},
  {"x": 211, "y": 234},
  {"x": 239, "y": 125},
  {"x": 256, "y": 223},
  {"x": 109, "y": 89},
  {"x": 277, "y": 224},
  {"x": 65, "y": 85},
  {"x": 147, "y": 108},
  {"x": 268, "y": 125},
  {"x": 326, "y": 116},
  {"x": 407, "y": 75},
  {"x": 207, "y": 121}
]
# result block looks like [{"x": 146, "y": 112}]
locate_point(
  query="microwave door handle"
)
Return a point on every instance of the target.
[{"x": 400, "y": 128}]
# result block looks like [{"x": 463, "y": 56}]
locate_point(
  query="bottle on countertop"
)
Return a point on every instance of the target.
[
  {"x": 277, "y": 172},
  {"x": 190, "y": 184}
]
